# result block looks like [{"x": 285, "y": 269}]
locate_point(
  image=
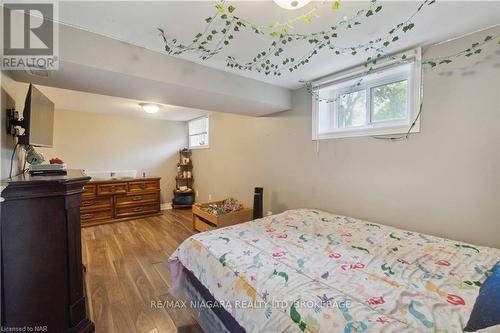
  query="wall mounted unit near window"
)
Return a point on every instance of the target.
[
  {"x": 198, "y": 133},
  {"x": 384, "y": 102}
]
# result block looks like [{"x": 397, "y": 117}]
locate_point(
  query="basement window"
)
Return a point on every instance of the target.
[
  {"x": 384, "y": 102},
  {"x": 198, "y": 130}
]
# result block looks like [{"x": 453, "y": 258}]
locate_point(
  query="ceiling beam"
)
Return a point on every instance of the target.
[{"x": 97, "y": 64}]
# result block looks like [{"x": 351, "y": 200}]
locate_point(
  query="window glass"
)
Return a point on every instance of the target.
[
  {"x": 390, "y": 101},
  {"x": 352, "y": 109},
  {"x": 385, "y": 100},
  {"x": 198, "y": 133}
]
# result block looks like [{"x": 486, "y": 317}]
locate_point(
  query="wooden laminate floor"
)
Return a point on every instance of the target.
[{"x": 127, "y": 268}]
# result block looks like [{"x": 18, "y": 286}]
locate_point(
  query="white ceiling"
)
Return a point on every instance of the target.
[
  {"x": 136, "y": 22},
  {"x": 73, "y": 100}
]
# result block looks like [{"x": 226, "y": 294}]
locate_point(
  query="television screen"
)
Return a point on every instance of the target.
[{"x": 38, "y": 117}]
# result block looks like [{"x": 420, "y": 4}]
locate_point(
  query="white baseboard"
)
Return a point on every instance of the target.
[{"x": 166, "y": 206}]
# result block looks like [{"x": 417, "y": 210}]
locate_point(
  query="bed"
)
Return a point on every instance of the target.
[{"x": 311, "y": 271}]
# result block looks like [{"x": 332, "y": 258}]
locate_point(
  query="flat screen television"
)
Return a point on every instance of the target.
[{"x": 38, "y": 117}]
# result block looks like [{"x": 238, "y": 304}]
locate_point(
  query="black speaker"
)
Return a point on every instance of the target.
[{"x": 257, "y": 203}]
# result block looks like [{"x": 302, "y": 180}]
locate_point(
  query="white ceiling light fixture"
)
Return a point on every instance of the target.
[
  {"x": 291, "y": 4},
  {"x": 150, "y": 107}
]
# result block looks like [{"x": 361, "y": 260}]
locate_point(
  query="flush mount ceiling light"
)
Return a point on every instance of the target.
[
  {"x": 150, "y": 107},
  {"x": 291, "y": 4}
]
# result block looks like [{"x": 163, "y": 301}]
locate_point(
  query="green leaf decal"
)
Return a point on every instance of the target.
[
  {"x": 223, "y": 260},
  {"x": 330, "y": 240},
  {"x": 473, "y": 283},
  {"x": 219, "y": 9},
  {"x": 225, "y": 239},
  {"x": 296, "y": 318},
  {"x": 465, "y": 246},
  {"x": 283, "y": 275},
  {"x": 408, "y": 27},
  {"x": 387, "y": 268},
  {"x": 360, "y": 248},
  {"x": 394, "y": 236}
]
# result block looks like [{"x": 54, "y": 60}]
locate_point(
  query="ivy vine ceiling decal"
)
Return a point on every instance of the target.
[
  {"x": 224, "y": 26},
  {"x": 134, "y": 23},
  {"x": 473, "y": 50}
]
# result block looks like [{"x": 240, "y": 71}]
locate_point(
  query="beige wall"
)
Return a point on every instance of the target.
[
  {"x": 443, "y": 181},
  {"x": 99, "y": 142}
]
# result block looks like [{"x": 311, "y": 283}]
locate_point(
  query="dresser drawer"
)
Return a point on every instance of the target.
[
  {"x": 96, "y": 203},
  {"x": 89, "y": 191},
  {"x": 113, "y": 188},
  {"x": 144, "y": 186},
  {"x": 137, "y": 210},
  {"x": 96, "y": 215},
  {"x": 136, "y": 199}
]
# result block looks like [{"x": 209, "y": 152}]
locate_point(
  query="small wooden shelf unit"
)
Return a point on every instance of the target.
[
  {"x": 184, "y": 199},
  {"x": 114, "y": 200}
]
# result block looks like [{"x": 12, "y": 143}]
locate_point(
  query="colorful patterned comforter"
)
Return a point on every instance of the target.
[{"x": 312, "y": 271}]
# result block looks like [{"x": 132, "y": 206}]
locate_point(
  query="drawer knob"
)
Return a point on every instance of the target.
[
  {"x": 137, "y": 198},
  {"x": 137, "y": 209},
  {"x": 143, "y": 185},
  {"x": 113, "y": 188},
  {"x": 87, "y": 216},
  {"x": 88, "y": 203}
]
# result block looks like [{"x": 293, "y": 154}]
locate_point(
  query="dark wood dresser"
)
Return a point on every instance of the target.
[
  {"x": 113, "y": 200},
  {"x": 42, "y": 272}
]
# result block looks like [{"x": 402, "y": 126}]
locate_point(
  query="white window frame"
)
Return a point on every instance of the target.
[
  {"x": 389, "y": 127},
  {"x": 205, "y": 146}
]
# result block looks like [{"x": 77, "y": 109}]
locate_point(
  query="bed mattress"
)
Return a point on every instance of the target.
[{"x": 311, "y": 271}]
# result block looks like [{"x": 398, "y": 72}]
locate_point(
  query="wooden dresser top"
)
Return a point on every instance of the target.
[
  {"x": 71, "y": 176},
  {"x": 121, "y": 180},
  {"x": 26, "y": 186}
]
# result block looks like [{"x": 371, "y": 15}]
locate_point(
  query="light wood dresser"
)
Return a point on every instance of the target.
[{"x": 114, "y": 200}]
